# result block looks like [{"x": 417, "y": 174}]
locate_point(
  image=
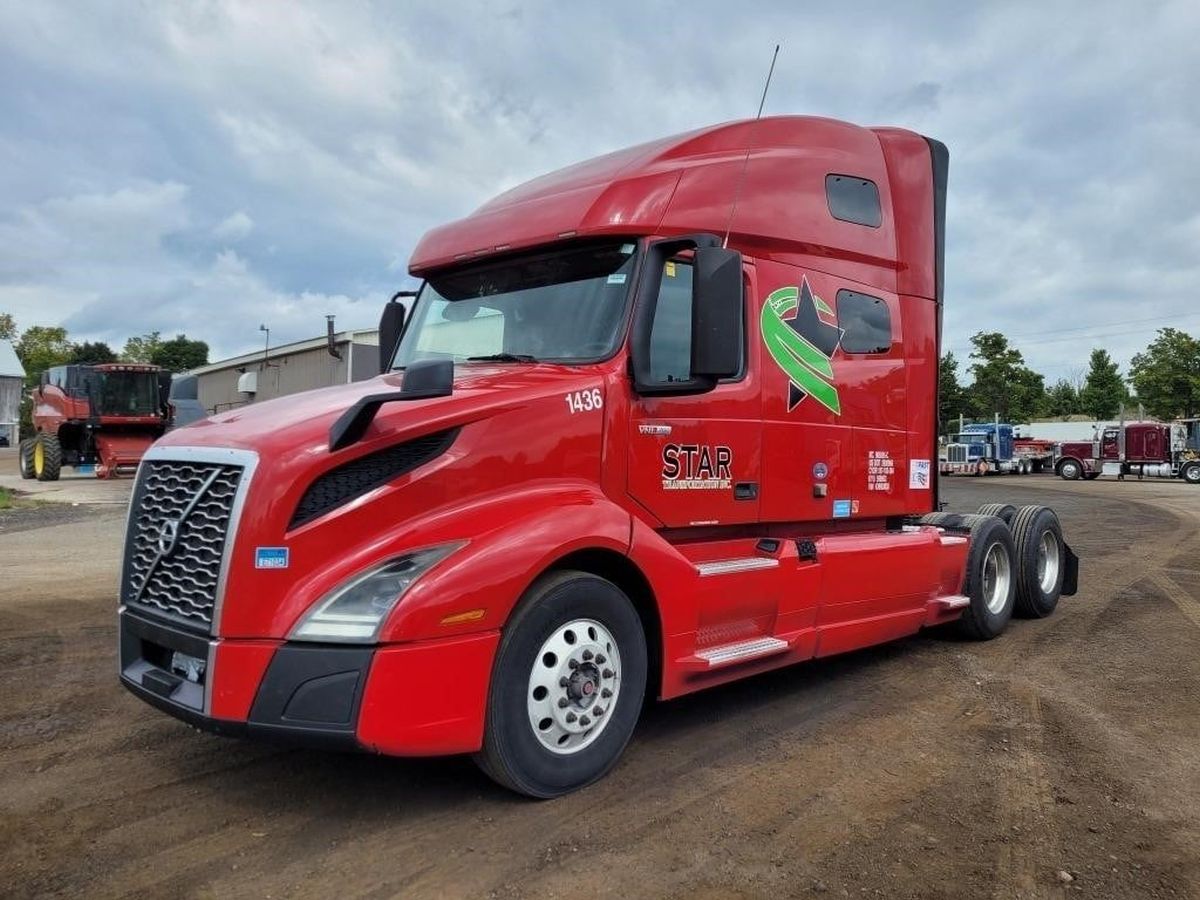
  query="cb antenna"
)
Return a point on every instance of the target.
[{"x": 737, "y": 191}]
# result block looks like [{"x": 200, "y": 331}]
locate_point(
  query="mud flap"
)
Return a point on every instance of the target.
[{"x": 1071, "y": 572}]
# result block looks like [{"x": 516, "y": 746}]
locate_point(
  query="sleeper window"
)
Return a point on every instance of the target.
[{"x": 866, "y": 323}]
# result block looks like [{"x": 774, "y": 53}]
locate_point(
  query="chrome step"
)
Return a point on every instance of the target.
[
  {"x": 728, "y": 566},
  {"x": 741, "y": 651},
  {"x": 952, "y": 602}
]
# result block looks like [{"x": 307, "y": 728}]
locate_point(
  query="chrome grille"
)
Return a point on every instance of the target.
[
  {"x": 178, "y": 524},
  {"x": 956, "y": 452}
]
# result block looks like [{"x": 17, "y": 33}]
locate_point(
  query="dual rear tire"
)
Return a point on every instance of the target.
[{"x": 1016, "y": 565}]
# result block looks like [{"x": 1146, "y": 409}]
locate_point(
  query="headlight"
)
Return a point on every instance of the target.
[{"x": 354, "y": 610}]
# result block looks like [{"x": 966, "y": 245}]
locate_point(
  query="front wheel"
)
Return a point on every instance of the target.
[
  {"x": 47, "y": 457},
  {"x": 1070, "y": 470},
  {"x": 1191, "y": 473},
  {"x": 567, "y": 686},
  {"x": 25, "y": 458}
]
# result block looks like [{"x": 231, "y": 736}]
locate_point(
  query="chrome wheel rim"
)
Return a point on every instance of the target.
[
  {"x": 1048, "y": 562},
  {"x": 1071, "y": 470},
  {"x": 574, "y": 685},
  {"x": 997, "y": 575}
]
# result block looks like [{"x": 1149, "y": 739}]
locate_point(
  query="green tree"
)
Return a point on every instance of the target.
[
  {"x": 1166, "y": 375},
  {"x": 951, "y": 397},
  {"x": 180, "y": 354},
  {"x": 8, "y": 327},
  {"x": 141, "y": 348},
  {"x": 1104, "y": 389},
  {"x": 1062, "y": 399},
  {"x": 41, "y": 347},
  {"x": 92, "y": 353},
  {"x": 1002, "y": 382}
]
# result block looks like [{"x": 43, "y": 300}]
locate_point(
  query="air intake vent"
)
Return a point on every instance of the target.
[{"x": 341, "y": 485}]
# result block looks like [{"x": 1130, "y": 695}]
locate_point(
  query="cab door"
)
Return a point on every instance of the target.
[{"x": 695, "y": 459}]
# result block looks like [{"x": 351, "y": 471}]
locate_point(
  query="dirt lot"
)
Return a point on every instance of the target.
[{"x": 928, "y": 768}]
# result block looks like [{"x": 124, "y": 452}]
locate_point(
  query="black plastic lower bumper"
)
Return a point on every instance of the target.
[{"x": 309, "y": 695}]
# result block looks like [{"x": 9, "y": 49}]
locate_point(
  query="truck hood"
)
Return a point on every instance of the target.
[{"x": 300, "y": 423}]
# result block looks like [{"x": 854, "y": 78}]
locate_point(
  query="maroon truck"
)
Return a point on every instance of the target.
[{"x": 1143, "y": 448}]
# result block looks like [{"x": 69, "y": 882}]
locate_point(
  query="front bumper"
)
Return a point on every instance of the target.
[{"x": 418, "y": 699}]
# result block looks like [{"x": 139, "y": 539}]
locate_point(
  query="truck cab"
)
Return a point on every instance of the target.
[
  {"x": 657, "y": 421},
  {"x": 981, "y": 449}
]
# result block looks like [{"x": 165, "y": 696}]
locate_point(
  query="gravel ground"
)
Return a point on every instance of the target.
[{"x": 1060, "y": 759}]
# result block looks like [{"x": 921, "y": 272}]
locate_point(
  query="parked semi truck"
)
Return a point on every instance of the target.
[
  {"x": 100, "y": 419},
  {"x": 634, "y": 439},
  {"x": 990, "y": 448},
  {"x": 1146, "y": 449}
]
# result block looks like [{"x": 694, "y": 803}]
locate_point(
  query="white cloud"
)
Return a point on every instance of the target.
[
  {"x": 337, "y": 133},
  {"x": 234, "y": 227}
]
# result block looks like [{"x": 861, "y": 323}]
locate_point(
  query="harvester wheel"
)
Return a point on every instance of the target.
[
  {"x": 1004, "y": 511},
  {"x": 47, "y": 457},
  {"x": 1041, "y": 555},
  {"x": 567, "y": 686},
  {"x": 25, "y": 458}
]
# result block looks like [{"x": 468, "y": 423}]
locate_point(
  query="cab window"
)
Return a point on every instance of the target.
[{"x": 671, "y": 335}]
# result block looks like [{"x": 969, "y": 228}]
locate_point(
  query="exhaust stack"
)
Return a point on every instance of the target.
[{"x": 331, "y": 346}]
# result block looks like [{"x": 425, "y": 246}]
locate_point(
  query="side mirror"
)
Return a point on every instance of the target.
[
  {"x": 716, "y": 313},
  {"x": 391, "y": 329}
]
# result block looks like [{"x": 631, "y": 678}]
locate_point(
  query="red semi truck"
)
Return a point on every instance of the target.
[
  {"x": 1154, "y": 449},
  {"x": 634, "y": 439}
]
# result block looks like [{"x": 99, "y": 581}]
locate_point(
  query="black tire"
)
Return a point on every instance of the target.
[
  {"x": 1191, "y": 473},
  {"x": 1030, "y": 526},
  {"x": 51, "y": 457},
  {"x": 25, "y": 458},
  {"x": 988, "y": 535},
  {"x": 978, "y": 621},
  {"x": 1070, "y": 470},
  {"x": 1004, "y": 511},
  {"x": 513, "y": 753}
]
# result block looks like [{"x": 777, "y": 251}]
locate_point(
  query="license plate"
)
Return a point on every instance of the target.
[{"x": 188, "y": 667}]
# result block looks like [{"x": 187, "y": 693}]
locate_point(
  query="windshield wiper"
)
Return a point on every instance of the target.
[{"x": 504, "y": 357}]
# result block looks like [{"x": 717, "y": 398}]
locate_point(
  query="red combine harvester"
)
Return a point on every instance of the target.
[
  {"x": 102, "y": 418},
  {"x": 1147, "y": 449},
  {"x": 655, "y": 422}
]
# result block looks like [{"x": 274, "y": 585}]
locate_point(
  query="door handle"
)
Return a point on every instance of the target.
[{"x": 745, "y": 490}]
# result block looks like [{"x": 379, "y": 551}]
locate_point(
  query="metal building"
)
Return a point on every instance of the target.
[
  {"x": 288, "y": 369},
  {"x": 12, "y": 380}
]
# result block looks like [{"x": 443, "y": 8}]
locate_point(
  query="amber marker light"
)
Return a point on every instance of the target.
[{"x": 471, "y": 615}]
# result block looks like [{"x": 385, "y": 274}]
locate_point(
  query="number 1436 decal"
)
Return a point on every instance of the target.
[{"x": 584, "y": 401}]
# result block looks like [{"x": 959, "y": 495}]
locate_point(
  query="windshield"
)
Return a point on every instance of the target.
[
  {"x": 975, "y": 438},
  {"x": 562, "y": 306},
  {"x": 123, "y": 393}
]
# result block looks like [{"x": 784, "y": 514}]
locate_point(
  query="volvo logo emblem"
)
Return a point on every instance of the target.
[{"x": 168, "y": 536}]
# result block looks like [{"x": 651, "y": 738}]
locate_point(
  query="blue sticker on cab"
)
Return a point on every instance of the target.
[
  {"x": 841, "y": 509},
  {"x": 271, "y": 557}
]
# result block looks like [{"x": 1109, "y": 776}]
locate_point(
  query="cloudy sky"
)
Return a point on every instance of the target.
[{"x": 207, "y": 167}]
